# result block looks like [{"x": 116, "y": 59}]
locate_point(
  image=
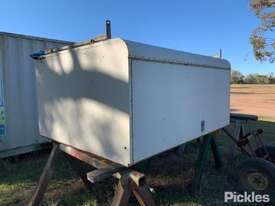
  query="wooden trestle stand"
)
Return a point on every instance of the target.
[{"x": 131, "y": 182}]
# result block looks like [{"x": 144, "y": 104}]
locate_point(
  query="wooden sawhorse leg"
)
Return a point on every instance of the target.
[
  {"x": 132, "y": 182},
  {"x": 207, "y": 145},
  {"x": 44, "y": 179}
]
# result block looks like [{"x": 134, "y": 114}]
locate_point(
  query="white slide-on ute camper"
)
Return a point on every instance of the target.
[{"x": 127, "y": 101}]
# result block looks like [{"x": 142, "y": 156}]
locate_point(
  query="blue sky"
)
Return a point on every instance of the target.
[{"x": 201, "y": 26}]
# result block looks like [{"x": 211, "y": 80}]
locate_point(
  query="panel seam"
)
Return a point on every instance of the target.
[
  {"x": 131, "y": 112},
  {"x": 180, "y": 63}
]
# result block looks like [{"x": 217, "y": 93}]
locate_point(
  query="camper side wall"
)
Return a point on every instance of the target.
[
  {"x": 175, "y": 103},
  {"x": 83, "y": 98}
]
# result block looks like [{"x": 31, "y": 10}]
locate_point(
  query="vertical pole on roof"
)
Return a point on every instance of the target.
[
  {"x": 220, "y": 54},
  {"x": 108, "y": 29}
]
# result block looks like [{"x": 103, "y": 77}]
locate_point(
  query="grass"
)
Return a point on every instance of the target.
[
  {"x": 18, "y": 177},
  {"x": 253, "y": 88},
  {"x": 168, "y": 174}
]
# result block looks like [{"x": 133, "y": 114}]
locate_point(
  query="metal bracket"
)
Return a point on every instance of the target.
[{"x": 108, "y": 29}]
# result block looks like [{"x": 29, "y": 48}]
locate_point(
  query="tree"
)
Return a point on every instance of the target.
[
  {"x": 271, "y": 78},
  {"x": 262, "y": 41},
  {"x": 236, "y": 77},
  {"x": 256, "y": 79}
]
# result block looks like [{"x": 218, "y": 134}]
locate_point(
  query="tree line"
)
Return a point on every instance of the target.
[{"x": 238, "y": 78}]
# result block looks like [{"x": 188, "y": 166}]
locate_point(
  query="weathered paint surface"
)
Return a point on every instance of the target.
[
  {"x": 83, "y": 98},
  {"x": 18, "y": 93}
]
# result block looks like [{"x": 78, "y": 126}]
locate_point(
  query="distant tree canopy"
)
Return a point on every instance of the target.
[
  {"x": 261, "y": 38},
  {"x": 238, "y": 78}
]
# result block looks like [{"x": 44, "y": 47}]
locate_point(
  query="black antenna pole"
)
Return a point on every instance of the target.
[{"x": 108, "y": 29}]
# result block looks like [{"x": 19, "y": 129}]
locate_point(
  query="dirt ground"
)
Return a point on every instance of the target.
[{"x": 253, "y": 99}]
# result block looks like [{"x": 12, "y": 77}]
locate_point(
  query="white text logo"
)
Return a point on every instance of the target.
[{"x": 245, "y": 197}]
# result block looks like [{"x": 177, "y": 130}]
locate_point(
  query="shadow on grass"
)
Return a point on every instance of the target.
[{"x": 26, "y": 169}]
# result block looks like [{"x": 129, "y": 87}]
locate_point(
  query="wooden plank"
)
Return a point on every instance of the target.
[
  {"x": 140, "y": 189},
  {"x": 44, "y": 179},
  {"x": 95, "y": 161},
  {"x": 122, "y": 193},
  {"x": 144, "y": 196},
  {"x": 244, "y": 117},
  {"x": 103, "y": 173},
  {"x": 216, "y": 154},
  {"x": 138, "y": 178},
  {"x": 135, "y": 182},
  {"x": 201, "y": 162}
]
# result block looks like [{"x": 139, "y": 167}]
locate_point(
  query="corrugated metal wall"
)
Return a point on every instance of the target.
[{"x": 19, "y": 93}]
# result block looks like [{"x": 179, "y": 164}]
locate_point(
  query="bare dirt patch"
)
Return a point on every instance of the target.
[{"x": 253, "y": 99}]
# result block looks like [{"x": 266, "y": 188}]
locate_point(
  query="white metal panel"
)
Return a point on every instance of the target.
[
  {"x": 83, "y": 98},
  {"x": 147, "y": 52},
  {"x": 19, "y": 89},
  {"x": 89, "y": 99},
  {"x": 170, "y": 101}
]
